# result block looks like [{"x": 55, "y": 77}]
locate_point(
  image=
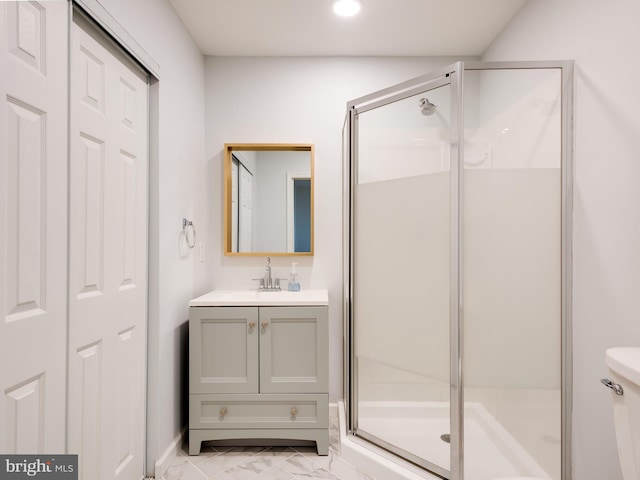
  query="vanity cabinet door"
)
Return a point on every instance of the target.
[
  {"x": 223, "y": 350},
  {"x": 294, "y": 350}
]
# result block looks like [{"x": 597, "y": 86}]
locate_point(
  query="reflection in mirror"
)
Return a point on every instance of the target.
[{"x": 268, "y": 194}]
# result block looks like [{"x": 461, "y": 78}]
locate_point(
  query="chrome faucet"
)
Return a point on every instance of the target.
[{"x": 268, "y": 283}]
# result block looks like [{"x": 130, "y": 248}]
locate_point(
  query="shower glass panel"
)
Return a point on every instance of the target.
[
  {"x": 458, "y": 273},
  {"x": 401, "y": 276},
  {"x": 511, "y": 237}
]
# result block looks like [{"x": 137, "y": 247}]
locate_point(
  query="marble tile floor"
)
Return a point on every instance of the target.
[{"x": 265, "y": 463}]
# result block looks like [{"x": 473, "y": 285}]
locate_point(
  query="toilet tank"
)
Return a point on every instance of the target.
[{"x": 624, "y": 367}]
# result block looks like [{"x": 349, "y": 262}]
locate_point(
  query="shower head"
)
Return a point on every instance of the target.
[{"x": 427, "y": 107}]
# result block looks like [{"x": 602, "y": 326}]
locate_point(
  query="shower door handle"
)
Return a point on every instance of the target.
[{"x": 613, "y": 386}]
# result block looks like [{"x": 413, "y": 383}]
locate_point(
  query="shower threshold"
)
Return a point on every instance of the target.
[
  {"x": 490, "y": 451},
  {"x": 375, "y": 461}
]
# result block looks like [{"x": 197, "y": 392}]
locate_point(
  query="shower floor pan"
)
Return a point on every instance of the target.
[{"x": 490, "y": 452}]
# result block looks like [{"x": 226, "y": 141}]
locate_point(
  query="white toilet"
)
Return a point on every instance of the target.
[{"x": 624, "y": 382}]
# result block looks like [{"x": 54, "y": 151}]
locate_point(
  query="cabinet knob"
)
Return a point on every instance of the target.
[
  {"x": 252, "y": 324},
  {"x": 294, "y": 411},
  {"x": 223, "y": 411},
  {"x": 265, "y": 324}
]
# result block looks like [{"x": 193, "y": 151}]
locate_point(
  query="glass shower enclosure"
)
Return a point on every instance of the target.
[{"x": 457, "y": 271}]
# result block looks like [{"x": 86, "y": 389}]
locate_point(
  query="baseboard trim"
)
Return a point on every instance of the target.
[
  {"x": 169, "y": 455},
  {"x": 333, "y": 409}
]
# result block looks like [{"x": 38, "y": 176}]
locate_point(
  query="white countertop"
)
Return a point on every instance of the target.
[{"x": 239, "y": 298}]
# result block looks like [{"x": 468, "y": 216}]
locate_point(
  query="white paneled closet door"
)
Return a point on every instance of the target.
[
  {"x": 108, "y": 257},
  {"x": 33, "y": 225}
]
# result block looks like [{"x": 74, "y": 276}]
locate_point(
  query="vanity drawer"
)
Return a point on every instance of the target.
[{"x": 258, "y": 411}]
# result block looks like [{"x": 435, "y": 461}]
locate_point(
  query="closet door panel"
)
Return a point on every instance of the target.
[
  {"x": 33, "y": 225},
  {"x": 108, "y": 257}
]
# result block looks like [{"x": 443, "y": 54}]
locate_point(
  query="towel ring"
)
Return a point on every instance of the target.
[{"x": 189, "y": 231}]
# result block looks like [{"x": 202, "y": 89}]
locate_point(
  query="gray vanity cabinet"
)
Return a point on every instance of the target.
[{"x": 258, "y": 372}]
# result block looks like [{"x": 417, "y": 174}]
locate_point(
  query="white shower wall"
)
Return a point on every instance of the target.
[
  {"x": 401, "y": 291},
  {"x": 512, "y": 278},
  {"x": 512, "y": 321}
]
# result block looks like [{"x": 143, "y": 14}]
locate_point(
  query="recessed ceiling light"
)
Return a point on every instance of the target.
[{"x": 346, "y": 8}]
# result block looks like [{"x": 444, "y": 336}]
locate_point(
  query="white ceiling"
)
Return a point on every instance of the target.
[{"x": 309, "y": 27}]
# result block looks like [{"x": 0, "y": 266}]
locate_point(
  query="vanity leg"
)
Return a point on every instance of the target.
[
  {"x": 195, "y": 444},
  {"x": 322, "y": 443}
]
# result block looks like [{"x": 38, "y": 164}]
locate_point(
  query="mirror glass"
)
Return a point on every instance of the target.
[{"x": 268, "y": 199}]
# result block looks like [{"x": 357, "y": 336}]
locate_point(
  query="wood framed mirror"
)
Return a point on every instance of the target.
[{"x": 268, "y": 199}]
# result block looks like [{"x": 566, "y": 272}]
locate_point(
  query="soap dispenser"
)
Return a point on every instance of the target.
[{"x": 294, "y": 284}]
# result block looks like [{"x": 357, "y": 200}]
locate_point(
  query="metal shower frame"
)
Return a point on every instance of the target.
[{"x": 453, "y": 75}]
